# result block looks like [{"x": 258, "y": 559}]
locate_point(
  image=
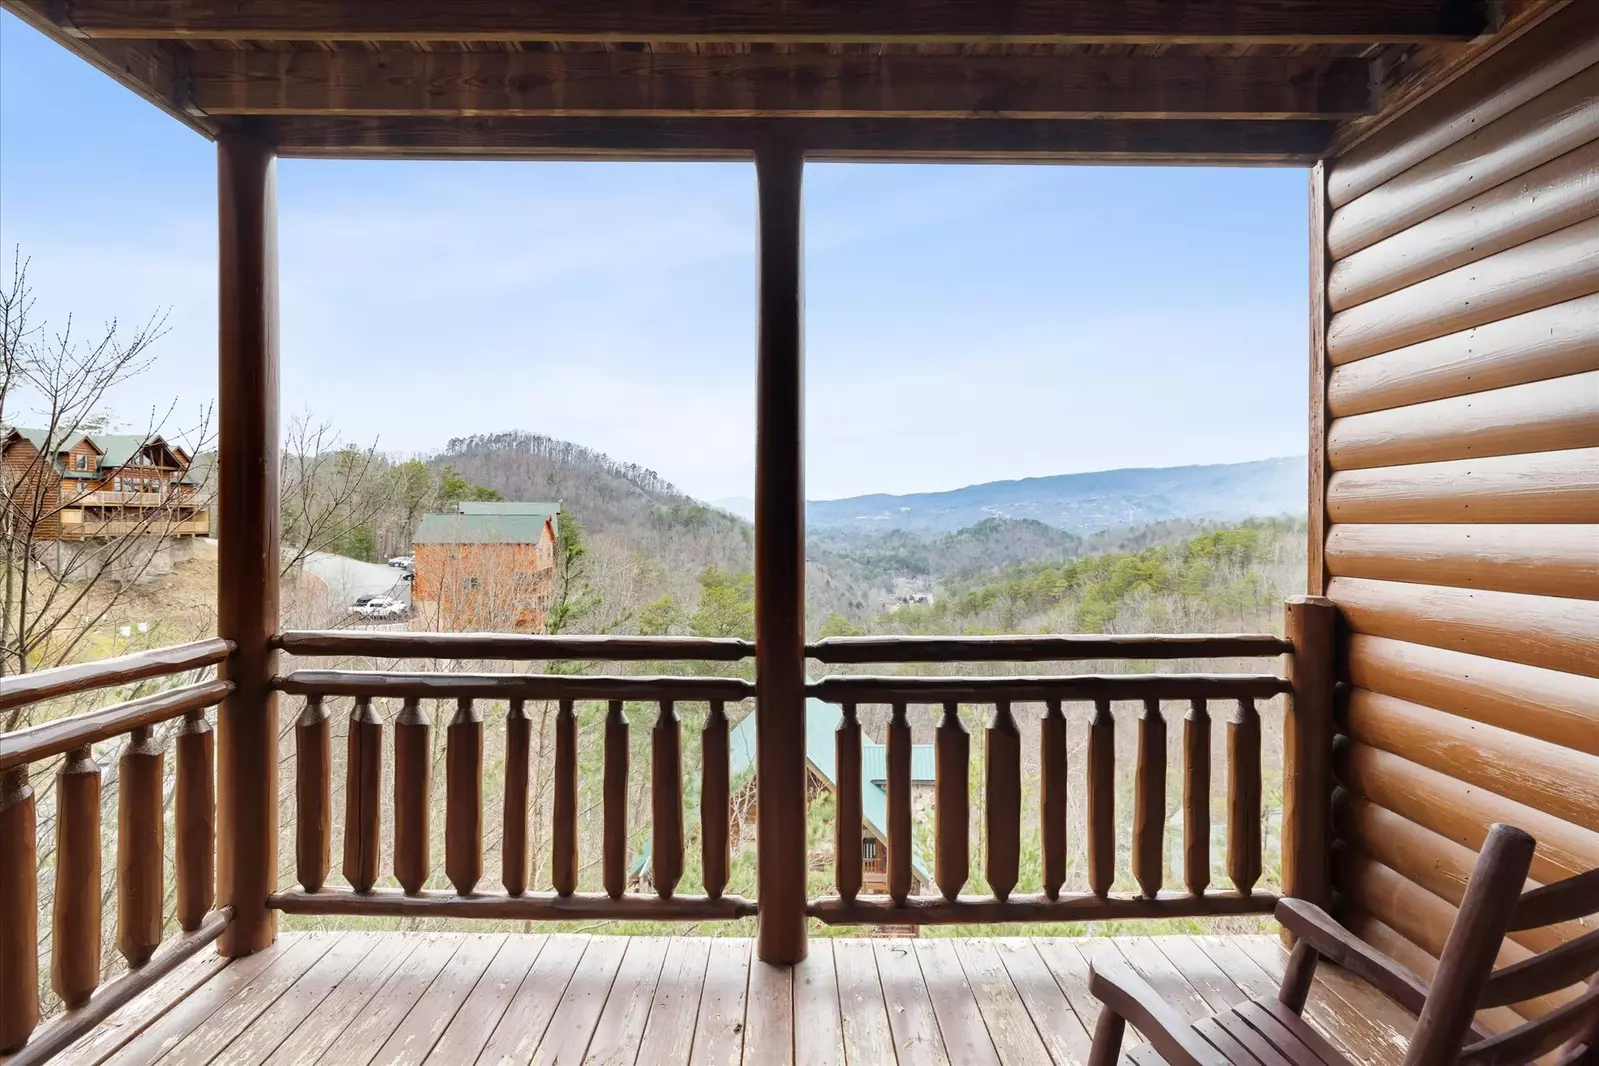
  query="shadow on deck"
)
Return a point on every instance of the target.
[{"x": 363, "y": 999}]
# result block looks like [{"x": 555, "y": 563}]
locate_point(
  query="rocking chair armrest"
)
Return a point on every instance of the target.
[
  {"x": 1338, "y": 945},
  {"x": 1129, "y": 996}
]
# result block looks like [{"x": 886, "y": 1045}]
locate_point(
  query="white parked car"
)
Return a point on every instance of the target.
[
  {"x": 404, "y": 561},
  {"x": 379, "y": 607}
]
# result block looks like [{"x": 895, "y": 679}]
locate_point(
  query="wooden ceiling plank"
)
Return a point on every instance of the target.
[
  {"x": 1019, "y": 21},
  {"x": 1176, "y": 141},
  {"x": 766, "y": 85}
]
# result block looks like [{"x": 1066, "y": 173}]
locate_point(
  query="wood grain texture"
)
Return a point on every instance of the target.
[
  {"x": 1561, "y": 487},
  {"x": 18, "y": 690},
  {"x": 1316, "y": 403},
  {"x": 615, "y": 801},
  {"x": 563, "y": 821},
  {"x": 462, "y": 686},
  {"x": 522, "y": 1027},
  {"x": 1537, "y": 560},
  {"x": 1311, "y": 622},
  {"x": 463, "y": 798},
  {"x": 413, "y": 774},
  {"x": 762, "y": 84},
  {"x": 1196, "y": 797},
  {"x": 1544, "y": 128},
  {"x": 719, "y": 1029},
  {"x": 951, "y": 803},
  {"x": 1551, "y": 415},
  {"x": 1243, "y": 797},
  {"x": 1149, "y": 801},
  {"x": 1552, "y": 778},
  {"x": 75, "y": 914},
  {"x": 363, "y": 784},
  {"x": 847, "y": 804},
  {"x": 1557, "y": 634},
  {"x": 666, "y": 801},
  {"x": 1551, "y": 269},
  {"x": 867, "y": 1034},
  {"x": 313, "y": 795},
  {"x": 1006, "y": 1019},
  {"x": 1022, "y": 648},
  {"x": 60, "y": 736},
  {"x": 960, "y": 1023},
  {"x": 1456, "y": 810},
  {"x": 141, "y": 887},
  {"x": 194, "y": 806},
  {"x": 716, "y": 813},
  {"x": 529, "y": 906},
  {"x": 1562, "y": 192},
  {"x": 1067, "y": 907},
  {"x": 19, "y": 908},
  {"x": 818, "y": 1029},
  {"x": 1551, "y": 705},
  {"x": 513, "y": 647},
  {"x": 898, "y": 758},
  {"x": 1101, "y": 824},
  {"x": 1002, "y": 802},
  {"x": 513, "y": 832},
  {"x": 769, "y": 1014},
  {"x": 669, "y": 1029},
  {"x": 1551, "y": 342},
  {"x": 1053, "y": 789},
  {"x": 1098, "y": 687}
]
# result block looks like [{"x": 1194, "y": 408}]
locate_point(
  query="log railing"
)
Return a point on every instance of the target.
[
  {"x": 457, "y": 698},
  {"x": 1198, "y": 697},
  {"x": 140, "y": 845}
]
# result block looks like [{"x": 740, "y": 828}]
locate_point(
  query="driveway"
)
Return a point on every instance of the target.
[{"x": 348, "y": 578}]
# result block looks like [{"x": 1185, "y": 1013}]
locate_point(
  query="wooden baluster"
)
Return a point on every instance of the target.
[
  {"x": 363, "y": 783},
  {"x": 1002, "y": 800},
  {"x": 463, "y": 798},
  {"x": 1101, "y": 799},
  {"x": 715, "y": 803},
  {"x": 1196, "y": 798},
  {"x": 1243, "y": 797},
  {"x": 614, "y": 804},
  {"x": 513, "y": 838},
  {"x": 563, "y": 834},
  {"x": 194, "y": 815},
  {"x": 313, "y": 795},
  {"x": 413, "y": 734},
  {"x": 1149, "y": 801},
  {"x": 666, "y": 801},
  {"x": 75, "y": 935},
  {"x": 141, "y": 888},
  {"x": 1053, "y": 796},
  {"x": 847, "y": 825},
  {"x": 19, "y": 909},
  {"x": 899, "y": 805},
  {"x": 952, "y": 803}
]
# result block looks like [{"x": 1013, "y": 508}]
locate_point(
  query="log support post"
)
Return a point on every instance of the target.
[
  {"x": 1310, "y": 622},
  {"x": 247, "y": 555},
  {"x": 780, "y": 558}
]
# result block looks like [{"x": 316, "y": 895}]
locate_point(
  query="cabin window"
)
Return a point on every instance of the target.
[
  {"x": 470, "y": 584},
  {"x": 80, "y": 462}
]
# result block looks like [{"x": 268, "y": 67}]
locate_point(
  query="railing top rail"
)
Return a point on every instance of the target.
[
  {"x": 62, "y": 735},
  {"x": 921, "y": 690},
  {"x": 513, "y": 646},
  {"x": 1045, "y": 648},
  {"x": 21, "y": 689},
  {"x": 512, "y": 686}
]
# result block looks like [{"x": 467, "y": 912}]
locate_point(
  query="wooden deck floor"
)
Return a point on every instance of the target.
[{"x": 365, "y": 999}]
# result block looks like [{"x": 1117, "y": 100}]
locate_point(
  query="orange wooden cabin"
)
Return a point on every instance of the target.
[
  {"x": 1441, "y": 675},
  {"x": 488, "y": 567}
]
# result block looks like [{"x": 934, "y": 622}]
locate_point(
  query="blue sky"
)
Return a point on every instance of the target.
[{"x": 963, "y": 323}]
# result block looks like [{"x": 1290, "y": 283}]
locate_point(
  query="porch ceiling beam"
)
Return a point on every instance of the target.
[
  {"x": 1201, "y": 141},
  {"x": 659, "y": 85},
  {"x": 1025, "y": 21}
]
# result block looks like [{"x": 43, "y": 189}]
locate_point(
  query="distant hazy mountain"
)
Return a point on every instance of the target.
[
  {"x": 742, "y": 506},
  {"x": 1082, "y": 503}
]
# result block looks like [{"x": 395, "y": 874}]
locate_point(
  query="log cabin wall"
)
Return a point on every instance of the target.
[{"x": 1456, "y": 254}]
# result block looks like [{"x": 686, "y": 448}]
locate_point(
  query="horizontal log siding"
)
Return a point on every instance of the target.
[{"x": 1462, "y": 445}]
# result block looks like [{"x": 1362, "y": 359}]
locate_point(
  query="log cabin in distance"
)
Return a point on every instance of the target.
[
  {"x": 1441, "y": 675},
  {"x": 488, "y": 567}
]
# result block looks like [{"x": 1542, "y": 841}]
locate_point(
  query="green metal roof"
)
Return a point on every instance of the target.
[
  {"x": 542, "y": 510},
  {"x": 874, "y": 763},
  {"x": 480, "y": 529},
  {"x": 116, "y": 449}
]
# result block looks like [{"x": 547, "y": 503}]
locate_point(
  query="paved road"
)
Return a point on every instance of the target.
[{"x": 348, "y": 578}]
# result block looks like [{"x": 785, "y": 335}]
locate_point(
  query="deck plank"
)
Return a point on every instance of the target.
[
  {"x": 669, "y": 1032},
  {"x": 566, "y": 1038},
  {"x": 282, "y": 967},
  {"x": 719, "y": 1030},
  {"x": 910, "y": 1010},
  {"x": 319, "y": 1029},
  {"x": 960, "y": 1022},
  {"x": 411, "y": 1042},
  {"x": 519, "y": 1031},
  {"x": 1064, "y": 1035},
  {"x": 627, "y": 1007},
  {"x": 1167, "y": 981},
  {"x": 386, "y": 1009},
  {"x": 863, "y": 1014},
  {"x": 143, "y": 1010},
  {"x": 1218, "y": 990},
  {"x": 482, "y": 1010},
  {"x": 274, "y": 1025},
  {"x": 1010, "y": 1025},
  {"x": 819, "y": 1034},
  {"x": 769, "y": 1015}
]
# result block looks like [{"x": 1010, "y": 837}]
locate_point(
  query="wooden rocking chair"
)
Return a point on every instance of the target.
[{"x": 1272, "y": 1033}]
